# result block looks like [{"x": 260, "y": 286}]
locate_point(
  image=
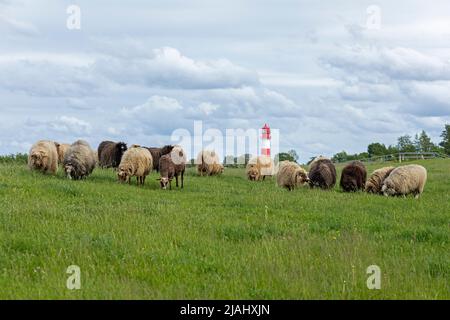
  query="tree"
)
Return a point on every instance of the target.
[
  {"x": 284, "y": 156},
  {"x": 340, "y": 157},
  {"x": 405, "y": 144},
  {"x": 423, "y": 142},
  {"x": 376, "y": 149},
  {"x": 445, "y": 143},
  {"x": 293, "y": 154}
]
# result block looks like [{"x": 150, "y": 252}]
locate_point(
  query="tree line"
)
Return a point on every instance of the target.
[{"x": 420, "y": 143}]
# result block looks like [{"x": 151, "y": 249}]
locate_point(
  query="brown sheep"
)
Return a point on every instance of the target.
[
  {"x": 43, "y": 156},
  {"x": 322, "y": 173},
  {"x": 404, "y": 180},
  {"x": 259, "y": 167},
  {"x": 290, "y": 175},
  {"x": 136, "y": 162},
  {"x": 62, "y": 149},
  {"x": 169, "y": 168},
  {"x": 376, "y": 179},
  {"x": 208, "y": 163},
  {"x": 353, "y": 177},
  {"x": 110, "y": 153}
]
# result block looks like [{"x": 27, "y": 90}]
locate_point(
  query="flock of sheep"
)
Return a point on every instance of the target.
[
  {"x": 389, "y": 181},
  {"x": 79, "y": 160}
]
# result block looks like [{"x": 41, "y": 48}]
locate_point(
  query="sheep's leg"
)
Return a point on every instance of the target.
[
  {"x": 176, "y": 180},
  {"x": 182, "y": 179}
]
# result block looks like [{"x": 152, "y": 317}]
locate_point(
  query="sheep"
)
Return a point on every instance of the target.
[
  {"x": 252, "y": 172},
  {"x": 166, "y": 171},
  {"x": 79, "y": 160},
  {"x": 136, "y": 162},
  {"x": 43, "y": 156},
  {"x": 322, "y": 173},
  {"x": 353, "y": 177},
  {"x": 172, "y": 165},
  {"x": 208, "y": 163},
  {"x": 61, "y": 149},
  {"x": 290, "y": 175},
  {"x": 110, "y": 153},
  {"x": 259, "y": 167},
  {"x": 404, "y": 180},
  {"x": 376, "y": 179}
]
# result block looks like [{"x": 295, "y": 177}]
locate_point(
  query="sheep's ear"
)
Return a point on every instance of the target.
[{"x": 57, "y": 144}]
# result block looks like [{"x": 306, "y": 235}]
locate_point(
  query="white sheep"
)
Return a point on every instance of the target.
[
  {"x": 290, "y": 175},
  {"x": 136, "y": 162},
  {"x": 404, "y": 180},
  {"x": 43, "y": 156}
]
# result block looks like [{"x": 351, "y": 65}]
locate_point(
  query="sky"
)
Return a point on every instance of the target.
[{"x": 329, "y": 75}]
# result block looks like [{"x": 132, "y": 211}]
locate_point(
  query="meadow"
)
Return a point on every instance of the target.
[{"x": 219, "y": 238}]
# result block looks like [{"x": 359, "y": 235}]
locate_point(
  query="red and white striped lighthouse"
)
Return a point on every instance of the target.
[{"x": 265, "y": 141}]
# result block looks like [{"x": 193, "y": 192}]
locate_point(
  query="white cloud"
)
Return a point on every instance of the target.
[{"x": 167, "y": 67}]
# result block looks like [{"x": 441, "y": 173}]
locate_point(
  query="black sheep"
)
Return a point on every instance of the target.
[
  {"x": 110, "y": 153},
  {"x": 353, "y": 177}
]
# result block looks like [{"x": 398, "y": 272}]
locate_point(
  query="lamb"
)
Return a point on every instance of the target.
[
  {"x": 322, "y": 173},
  {"x": 259, "y": 167},
  {"x": 376, "y": 179},
  {"x": 62, "y": 149},
  {"x": 79, "y": 160},
  {"x": 290, "y": 175},
  {"x": 353, "y": 177},
  {"x": 172, "y": 165},
  {"x": 404, "y": 180},
  {"x": 208, "y": 163},
  {"x": 43, "y": 156},
  {"x": 110, "y": 153},
  {"x": 136, "y": 162}
]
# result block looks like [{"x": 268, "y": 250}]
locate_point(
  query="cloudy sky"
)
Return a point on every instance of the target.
[{"x": 327, "y": 74}]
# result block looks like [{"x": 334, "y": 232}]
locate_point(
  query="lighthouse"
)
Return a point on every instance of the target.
[{"x": 265, "y": 141}]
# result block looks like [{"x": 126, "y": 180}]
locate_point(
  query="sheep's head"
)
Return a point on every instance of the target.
[
  {"x": 164, "y": 182},
  {"x": 38, "y": 158},
  {"x": 69, "y": 170},
  {"x": 349, "y": 184},
  {"x": 301, "y": 177},
  {"x": 253, "y": 174},
  {"x": 388, "y": 189},
  {"x": 124, "y": 173}
]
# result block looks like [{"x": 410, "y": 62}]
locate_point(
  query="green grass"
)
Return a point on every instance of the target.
[{"x": 219, "y": 238}]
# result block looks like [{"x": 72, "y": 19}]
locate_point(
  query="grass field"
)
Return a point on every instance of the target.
[{"x": 219, "y": 238}]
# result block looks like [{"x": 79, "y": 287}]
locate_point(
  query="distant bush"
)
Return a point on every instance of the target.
[{"x": 19, "y": 158}]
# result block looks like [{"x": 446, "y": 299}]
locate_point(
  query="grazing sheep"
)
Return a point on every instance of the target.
[
  {"x": 136, "y": 162},
  {"x": 353, "y": 177},
  {"x": 376, "y": 179},
  {"x": 79, "y": 160},
  {"x": 208, "y": 163},
  {"x": 252, "y": 172},
  {"x": 405, "y": 180},
  {"x": 259, "y": 167},
  {"x": 62, "y": 149},
  {"x": 43, "y": 156},
  {"x": 168, "y": 168},
  {"x": 322, "y": 173},
  {"x": 166, "y": 171},
  {"x": 217, "y": 169},
  {"x": 290, "y": 175},
  {"x": 110, "y": 153}
]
